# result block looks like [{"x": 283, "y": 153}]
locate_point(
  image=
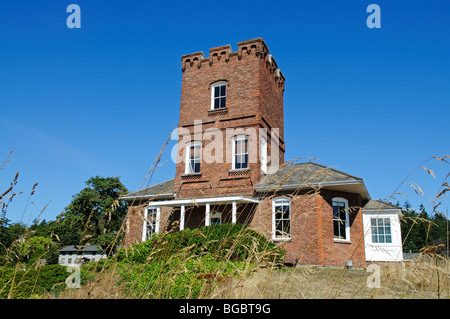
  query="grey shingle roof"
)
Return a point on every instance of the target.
[
  {"x": 161, "y": 190},
  {"x": 376, "y": 204},
  {"x": 291, "y": 176},
  {"x": 82, "y": 248}
]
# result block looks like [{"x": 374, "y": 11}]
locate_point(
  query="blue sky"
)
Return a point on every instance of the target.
[{"x": 103, "y": 99}]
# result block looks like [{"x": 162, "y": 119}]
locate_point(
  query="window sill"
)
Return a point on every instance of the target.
[
  {"x": 233, "y": 170},
  {"x": 220, "y": 111},
  {"x": 285, "y": 240},
  {"x": 342, "y": 241},
  {"x": 191, "y": 176},
  {"x": 238, "y": 172}
]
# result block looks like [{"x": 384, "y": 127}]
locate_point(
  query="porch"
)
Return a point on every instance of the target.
[{"x": 194, "y": 213}]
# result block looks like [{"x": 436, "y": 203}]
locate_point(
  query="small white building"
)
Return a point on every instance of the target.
[
  {"x": 382, "y": 231},
  {"x": 74, "y": 256}
]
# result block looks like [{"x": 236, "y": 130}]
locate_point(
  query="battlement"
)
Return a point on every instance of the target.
[{"x": 224, "y": 54}]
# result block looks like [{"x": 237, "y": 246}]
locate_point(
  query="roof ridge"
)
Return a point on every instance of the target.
[{"x": 327, "y": 167}]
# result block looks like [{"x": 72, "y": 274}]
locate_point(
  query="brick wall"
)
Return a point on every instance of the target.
[
  {"x": 135, "y": 221},
  {"x": 254, "y": 100},
  {"x": 312, "y": 233}
]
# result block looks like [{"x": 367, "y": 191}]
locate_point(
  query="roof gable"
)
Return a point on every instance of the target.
[
  {"x": 161, "y": 190},
  {"x": 376, "y": 204}
]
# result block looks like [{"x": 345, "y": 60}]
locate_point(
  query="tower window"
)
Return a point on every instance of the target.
[
  {"x": 193, "y": 158},
  {"x": 240, "y": 152},
  {"x": 218, "y": 95}
]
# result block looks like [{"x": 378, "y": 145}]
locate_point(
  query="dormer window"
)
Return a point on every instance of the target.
[{"x": 218, "y": 95}]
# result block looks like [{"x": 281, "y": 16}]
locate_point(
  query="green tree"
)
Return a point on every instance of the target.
[
  {"x": 34, "y": 248},
  {"x": 95, "y": 214}
]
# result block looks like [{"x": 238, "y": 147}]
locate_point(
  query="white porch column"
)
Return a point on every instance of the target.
[
  {"x": 233, "y": 212},
  {"x": 207, "y": 215},
  {"x": 182, "y": 215}
]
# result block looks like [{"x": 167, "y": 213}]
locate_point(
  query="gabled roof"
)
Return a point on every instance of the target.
[
  {"x": 376, "y": 204},
  {"x": 82, "y": 249},
  {"x": 159, "y": 191},
  {"x": 309, "y": 175}
]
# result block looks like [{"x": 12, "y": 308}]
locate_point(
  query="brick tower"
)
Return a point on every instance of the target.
[{"x": 228, "y": 101}]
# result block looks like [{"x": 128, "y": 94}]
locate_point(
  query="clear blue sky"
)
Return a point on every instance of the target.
[{"x": 103, "y": 99}]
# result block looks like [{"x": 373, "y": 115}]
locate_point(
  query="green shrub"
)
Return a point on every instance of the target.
[
  {"x": 230, "y": 241},
  {"x": 35, "y": 281},
  {"x": 189, "y": 263}
]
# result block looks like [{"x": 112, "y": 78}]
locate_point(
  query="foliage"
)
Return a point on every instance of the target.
[
  {"x": 420, "y": 230},
  {"x": 189, "y": 263},
  {"x": 32, "y": 282},
  {"x": 98, "y": 208},
  {"x": 34, "y": 248},
  {"x": 231, "y": 241}
]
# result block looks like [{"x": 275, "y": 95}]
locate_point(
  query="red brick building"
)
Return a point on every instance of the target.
[{"x": 231, "y": 169}]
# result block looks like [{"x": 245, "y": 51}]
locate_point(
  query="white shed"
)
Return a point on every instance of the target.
[{"x": 382, "y": 231}]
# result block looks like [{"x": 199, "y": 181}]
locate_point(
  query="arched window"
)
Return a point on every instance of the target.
[
  {"x": 240, "y": 152},
  {"x": 151, "y": 222},
  {"x": 193, "y": 158},
  {"x": 341, "y": 222},
  {"x": 218, "y": 95}
]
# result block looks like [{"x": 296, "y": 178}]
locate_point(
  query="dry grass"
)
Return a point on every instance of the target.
[{"x": 425, "y": 278}]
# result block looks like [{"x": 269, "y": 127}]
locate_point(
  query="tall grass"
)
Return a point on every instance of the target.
[{"x": 195, "y": 264}]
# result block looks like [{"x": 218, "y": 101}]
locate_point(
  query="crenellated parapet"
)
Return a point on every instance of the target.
[{"x": 224, "y": 54}]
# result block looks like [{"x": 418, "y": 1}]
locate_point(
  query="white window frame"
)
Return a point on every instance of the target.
[
  {"x": 213, "y": 87},
  {"x": 235, "y": 140},
  {"x": 263, "y": 155},
  {"x": 346, "y": 222},
  {"x": 217, "y": 215},
  {"x": 391, "y": 235},
  {"x": 188, "y": 168},
  {"x": 275, "y": 203},
  {"x": 144, "y": 224}
]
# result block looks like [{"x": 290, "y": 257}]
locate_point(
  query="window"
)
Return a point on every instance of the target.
[
  {"x": 263, "y": 155},
  {"x": 240, "y": 152},
  {"x": 216, "y": 218},
  {"x": 381, "y": 230},
  {"x": 281, "y": 219},
  {"x": 218, "y": 95},
  {"x": 340, "y": 219},
  {"x": 151, "y": 222},
  {"x": 193, "y": 158}
]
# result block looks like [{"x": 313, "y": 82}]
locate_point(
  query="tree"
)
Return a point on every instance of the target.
[
  {"x": 420, "y": 230},
  {"x": 95, "y": 213}
]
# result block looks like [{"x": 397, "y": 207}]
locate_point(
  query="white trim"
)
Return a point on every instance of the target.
[
  {"x": 347, "y": 221},
  {"x": 383, "y": 251},
  {"x": 203, "y": 201},
  {"x": 274, "y": 204},
  {"x": 207, "y": 214},
  {"x": 233, "y": 212},
  {"x": 233, "y": 152},
  {"x": 182, "y": 217},
  {"x": 263, "y": 154},
  {"x": 144, "y": 224},
  {"x": 216, "y": 215},
  {"x": 213, "y": 86},
  {"x": 188, "y": 156}
]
